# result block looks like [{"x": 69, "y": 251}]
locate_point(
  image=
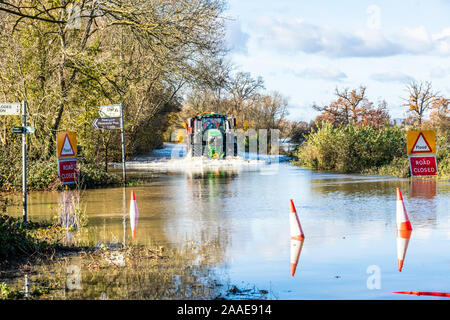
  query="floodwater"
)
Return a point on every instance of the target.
[{"x": 242, "y": 210}]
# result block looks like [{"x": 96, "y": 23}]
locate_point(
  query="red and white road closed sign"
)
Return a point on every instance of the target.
[
  {"x": 67, "y": 170},
  {"x": 423, "y": 165}
]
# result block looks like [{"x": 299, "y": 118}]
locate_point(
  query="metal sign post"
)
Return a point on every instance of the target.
[
  {"x": 122, "y": 132},
  {"x": 14, "y": 109},
  {"x": 24, "y": 162},
  {"x": 111, "y": 117}
]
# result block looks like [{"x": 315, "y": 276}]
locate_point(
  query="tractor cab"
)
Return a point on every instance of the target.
[{"x": 208, "y": 133}]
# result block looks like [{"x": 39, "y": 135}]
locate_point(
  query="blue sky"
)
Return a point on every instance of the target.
[{"x": 305, "y": 49}]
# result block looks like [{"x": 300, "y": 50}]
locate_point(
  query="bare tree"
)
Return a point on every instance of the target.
[
  {"x": 243, "y": 90},
  {"x": 269, "y": 110},
  {"x": 295, "y": 131},
  {"x": 421, "y": 98}
]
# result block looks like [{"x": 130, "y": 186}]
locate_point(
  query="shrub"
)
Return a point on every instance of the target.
[
  {"x": 443, "y": 150},
  {"x": 10, "y": 170},
  {"x": 351, "y": 148},
  {"x": 42, "y": 175},
  {"x": 398, "y": 167},
  {"x": 91, "y": 175},
  {"x": 17, "y": 240}
]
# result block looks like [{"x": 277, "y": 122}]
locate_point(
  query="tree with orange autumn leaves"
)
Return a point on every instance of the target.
[
  {"x": 440, "y": 113},
  {"x": 352, "y": 106}
]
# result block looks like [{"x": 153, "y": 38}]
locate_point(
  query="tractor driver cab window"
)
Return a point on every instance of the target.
[{"x": 212, "y": 123}]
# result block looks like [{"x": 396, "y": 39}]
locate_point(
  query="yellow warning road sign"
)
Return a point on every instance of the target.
[
  {"x": 66, "y": 143},
  {"x": 421, "y": 142}
]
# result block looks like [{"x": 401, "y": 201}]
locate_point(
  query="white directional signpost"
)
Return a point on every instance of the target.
[
  {"x": 111, "y": 117},
  {"x": 107, "y": 123},
  {"x": 113, "y": 111},
  {"x": 14, "y": 109},
  {"x": 7, "y": 109}
]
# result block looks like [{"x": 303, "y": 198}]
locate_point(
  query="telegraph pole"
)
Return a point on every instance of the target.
[
  {"x": 24, "y": 161},
  {"x": 122, "y": 132}
]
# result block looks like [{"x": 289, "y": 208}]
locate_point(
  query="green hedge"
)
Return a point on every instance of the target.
[
  {"x": 363, "y": 149},
  {"x": 91, "y": 175},
  {"x": 351, "y": 148},
  {"x": 43, "y": 175}
]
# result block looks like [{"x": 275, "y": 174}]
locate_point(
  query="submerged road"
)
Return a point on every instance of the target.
[{"x": 238, "y": 219}]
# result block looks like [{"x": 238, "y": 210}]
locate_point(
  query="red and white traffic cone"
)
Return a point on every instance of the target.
[
  {"x": 134, "y": 214},
  {"x": 297, "y": 238},
  {"x": 404, "y": 230}
]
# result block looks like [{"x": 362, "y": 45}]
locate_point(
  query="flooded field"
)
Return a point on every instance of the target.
[{"x": 237, "y": 217}]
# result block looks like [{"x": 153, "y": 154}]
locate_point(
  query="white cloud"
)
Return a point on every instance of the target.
[
  {"x": 391, "y": 77},
  {"x": 416, "y": 40},
  {"x": 439, "y": 72},
  {"x": 329, "y": 73},
  {"x": 286, "y": 35},
  {"x": 442, "y": 40},
  {"x": 293, "y": 35}
]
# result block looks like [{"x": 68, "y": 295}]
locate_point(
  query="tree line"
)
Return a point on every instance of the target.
[
  {"x": 68, "y": 57},
  {"x": 352, "y": 134},
  {"x": 237, "y": 94},
  {"x": 352, "y": 106},
  {"x": 164, "y": 60}
]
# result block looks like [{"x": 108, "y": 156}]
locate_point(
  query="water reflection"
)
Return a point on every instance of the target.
[
  {"x": 26, "y": 286},
  {"x": 422, "y": 201},
  {"x": 296, "y": 249},
  {"x": 203, "y": 206},
  {"x": 297, "y": 237},
  {"x": 210, "y": 180},
  {"x": 404, "y": 229},
  {"x": 68, "y": 200},
  {"x": 234, "y": 222},
  {"x": 124, "y": 219},
  {"x": 355, "y": 186},
  {"x": 70, "y": 213},
  {"x": 403, "y": 237},
  {"x": 423, "y": 188},
  {"x": 134, "y": 214}
]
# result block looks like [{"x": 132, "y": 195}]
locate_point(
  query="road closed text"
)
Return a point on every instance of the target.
[
  {"x": 423, "y": 165},
  {"x": 68, "y": 170}
]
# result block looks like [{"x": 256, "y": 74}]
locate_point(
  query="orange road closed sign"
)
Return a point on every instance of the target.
[
  {"x": 66, "y": 144},
  {"x": 421, "y": 142}
]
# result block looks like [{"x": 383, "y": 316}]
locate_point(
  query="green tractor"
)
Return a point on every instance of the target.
[{"x": 211, "y": 135}]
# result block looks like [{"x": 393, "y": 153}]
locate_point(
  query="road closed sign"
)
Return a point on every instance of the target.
[
  {"x": 423, "y": 165},
  {"x": 421, "y": 147},
  {"x": 67, "y": 171}
]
